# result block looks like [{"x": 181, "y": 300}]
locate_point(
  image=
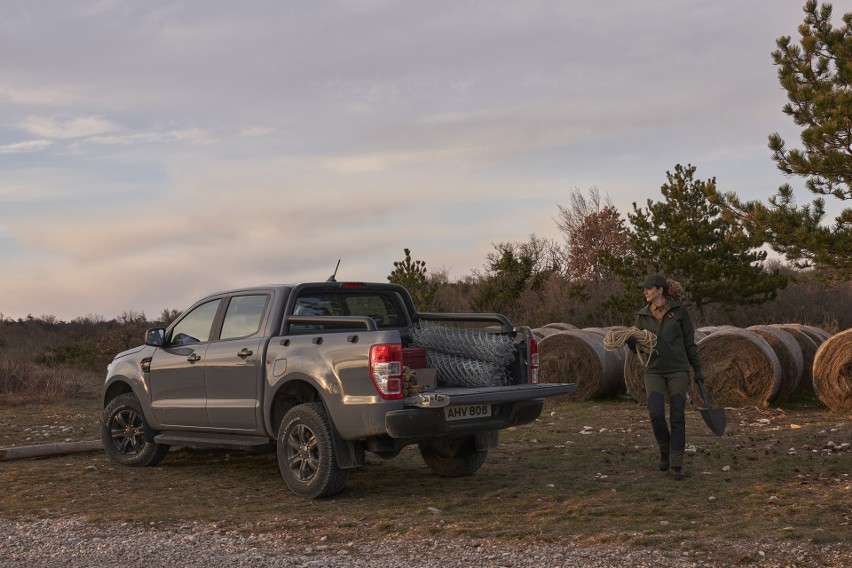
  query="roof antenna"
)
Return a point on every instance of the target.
[{"x": 331, "y": 278}]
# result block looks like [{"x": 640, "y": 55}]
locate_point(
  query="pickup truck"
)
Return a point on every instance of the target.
[{"x": 314, "y": 372}]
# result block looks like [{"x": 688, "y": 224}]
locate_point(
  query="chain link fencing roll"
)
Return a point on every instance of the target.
[
  {"x": 466, "y": 357},
  {"x": 468, "y": 343}
]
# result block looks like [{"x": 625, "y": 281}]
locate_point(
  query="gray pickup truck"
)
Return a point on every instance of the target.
[{"x": 316, "y": 372}]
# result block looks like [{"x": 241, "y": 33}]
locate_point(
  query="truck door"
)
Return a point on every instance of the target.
[
  {"x": 178, "y": 392},
  {"x": 234, "y": 364}
]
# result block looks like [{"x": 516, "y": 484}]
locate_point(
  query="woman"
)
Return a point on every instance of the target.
[{"x": 667, "y": 371}]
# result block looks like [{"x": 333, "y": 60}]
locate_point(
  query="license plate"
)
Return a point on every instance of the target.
[{"x": 467, "y": 412}]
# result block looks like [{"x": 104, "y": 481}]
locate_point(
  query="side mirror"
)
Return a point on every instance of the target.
[{"x": 155, "y": 337}]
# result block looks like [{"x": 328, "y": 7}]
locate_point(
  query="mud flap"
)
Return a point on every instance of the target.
[{"x": 348, "y": 454}]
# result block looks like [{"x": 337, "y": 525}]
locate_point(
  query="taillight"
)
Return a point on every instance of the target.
[
  {"x": 386, "y": 369},
  {"x": 533, "y": 361}
]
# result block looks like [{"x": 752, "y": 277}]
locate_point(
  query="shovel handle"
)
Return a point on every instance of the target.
[{"x": 704, "y": 394}]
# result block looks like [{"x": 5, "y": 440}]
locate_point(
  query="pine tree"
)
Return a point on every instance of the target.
[
  {"x": 687, "y": 238},
  {"x": 817, "y": 75},
  {"x": 412, "y": 275}
]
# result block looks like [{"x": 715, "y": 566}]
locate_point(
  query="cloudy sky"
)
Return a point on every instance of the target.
[{"x": 152, "y": 152}]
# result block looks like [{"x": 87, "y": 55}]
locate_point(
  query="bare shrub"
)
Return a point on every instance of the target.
[{"x": 22, "y": 381}]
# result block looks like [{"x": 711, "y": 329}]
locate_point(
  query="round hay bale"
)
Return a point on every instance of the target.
[
  {"x": 634, "y": 374},
  {"x": 789, "y": 357},
  {"x": 560, "y": 326},
  {"x": 833, "y": 372},
  {"x": 577, "y": 356},
  {"x": 634, "y": 377},
  {"x": 541, "y": 332},
  {"x": 708, "y": 329},
  {"x": 602, "y": 331},
  {"x": 740, "y": 369},
  {"x": 816, "y": 334},
  {"x": 699, "y": 335},
  {"x": 809, "y": 349}
]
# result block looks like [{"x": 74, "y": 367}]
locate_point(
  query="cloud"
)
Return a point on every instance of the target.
[
  {"x": 70, "y": 128},
  {"x": 257, "y": 132},
  {"x": 28, "y": 146}
]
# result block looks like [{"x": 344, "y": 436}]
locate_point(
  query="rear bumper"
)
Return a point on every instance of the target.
[{"x": 421, "y": 423}]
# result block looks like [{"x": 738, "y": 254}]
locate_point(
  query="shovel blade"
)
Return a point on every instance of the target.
[
  {"x": 713, "y": 417},
  {"x": 715, "y": 420}
]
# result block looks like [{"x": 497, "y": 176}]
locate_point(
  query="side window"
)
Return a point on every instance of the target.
[
  {"x": 243, "y": 316},
  {"x": 195, "y": 327}
]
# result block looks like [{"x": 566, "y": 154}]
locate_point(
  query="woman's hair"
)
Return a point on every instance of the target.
[{"x": 674, "y": 290}]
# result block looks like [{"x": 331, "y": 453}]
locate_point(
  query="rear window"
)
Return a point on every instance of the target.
[{"x": 382, "y": 308}]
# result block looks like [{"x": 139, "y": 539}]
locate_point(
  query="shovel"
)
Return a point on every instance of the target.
[{"x": 713, "y": 417}]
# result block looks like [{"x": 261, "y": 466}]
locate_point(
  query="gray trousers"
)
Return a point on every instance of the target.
[{"x": 657, "y": 386}]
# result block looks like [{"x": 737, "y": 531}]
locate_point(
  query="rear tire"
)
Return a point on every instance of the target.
[
  {"x": 306, "y": 455},
  {"x": 123, "y": 434},
  {"x": 453, "y": 457}
]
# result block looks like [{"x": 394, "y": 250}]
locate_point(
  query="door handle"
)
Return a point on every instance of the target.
[
  {"x": 194, "y": 357},
  {"x": 245, "y": 353}
]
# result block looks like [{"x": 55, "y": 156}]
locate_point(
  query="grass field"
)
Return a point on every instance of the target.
[{"x": 584, "y": 471}]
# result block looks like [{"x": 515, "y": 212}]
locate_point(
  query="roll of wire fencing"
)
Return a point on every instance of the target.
[{"x": 466, "y": 357}]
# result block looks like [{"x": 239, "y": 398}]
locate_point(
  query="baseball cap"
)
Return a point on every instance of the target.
[{"x": 654, "y": 281}]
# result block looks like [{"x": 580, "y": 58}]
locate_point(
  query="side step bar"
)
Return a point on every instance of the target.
[{"x": 223, "y": 441}]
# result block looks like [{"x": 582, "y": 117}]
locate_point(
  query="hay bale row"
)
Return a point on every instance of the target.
[
  {"x": 756, "y": 366},
  {"x": 578, "y": 356},
  {"x": 832, "y": 372}
]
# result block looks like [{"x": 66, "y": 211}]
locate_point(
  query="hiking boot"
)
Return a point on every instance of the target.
[
  {"x": 664, "y": 461},
  {"x": 678, "y": 474}
]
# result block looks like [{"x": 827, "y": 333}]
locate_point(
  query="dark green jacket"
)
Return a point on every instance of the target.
[{"x": 676, "y": 350}]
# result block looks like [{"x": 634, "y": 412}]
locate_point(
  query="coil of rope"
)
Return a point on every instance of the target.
[{"x": 646, "y": 341}]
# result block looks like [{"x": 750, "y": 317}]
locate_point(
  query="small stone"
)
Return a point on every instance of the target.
[
  {"x": 711, "y": 498},
  {"x": 726, "y": 468}
]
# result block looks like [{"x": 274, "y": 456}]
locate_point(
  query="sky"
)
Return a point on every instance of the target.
[{"x": 154, "y": 152}]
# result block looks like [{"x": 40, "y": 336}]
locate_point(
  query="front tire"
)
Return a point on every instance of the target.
[
  {"x": 123, "y": 434},
  {"x": 306, "y": 454},
  {"x": 453, "y": 457}
]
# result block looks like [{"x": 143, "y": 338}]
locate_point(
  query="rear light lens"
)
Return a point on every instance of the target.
[
  {"x": 533, "y": 361},
  {"x": 386, "y": 369}
]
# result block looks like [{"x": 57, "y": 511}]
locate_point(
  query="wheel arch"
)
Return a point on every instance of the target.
[
  {"x": 116, "y": 387},
  {"x": 297, "y": 390},
  {"x": 302, "y": 389}
]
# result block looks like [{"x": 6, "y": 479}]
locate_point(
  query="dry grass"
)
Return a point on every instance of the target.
[{"x": 585, "y": 471}]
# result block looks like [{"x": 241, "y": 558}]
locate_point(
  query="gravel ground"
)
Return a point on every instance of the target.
[{"x": 69, "y": 543}]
